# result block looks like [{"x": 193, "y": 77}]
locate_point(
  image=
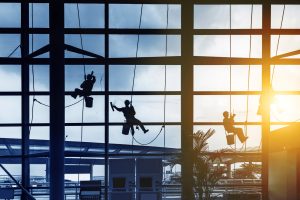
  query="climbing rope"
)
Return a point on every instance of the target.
[
  {"x": 80, "y": 35},
  {"x": 276, "y": 53},
  {"x": 13, "y": 51},
  {"x": 46, "y": 105},
  {"x": 32, "y": 72},
  {"x": 249, "y": 76},
  {"x": 278, "y": 42},
  {"x": 136, "y": 52},
  {"x": 274, "y": 66},
  {"x": 84, "y": 72},
  {"x": 165, "y": 81},
  {"x": 165, "y": 89},
  {"x": 230, "y": 77},
  {"x": 230, "y": 67}
]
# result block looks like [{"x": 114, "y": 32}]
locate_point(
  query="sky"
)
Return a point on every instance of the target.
[{"x": 151, "y": 78}]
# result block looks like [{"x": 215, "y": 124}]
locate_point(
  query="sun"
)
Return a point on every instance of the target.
[{"x": 282, "y": 108}]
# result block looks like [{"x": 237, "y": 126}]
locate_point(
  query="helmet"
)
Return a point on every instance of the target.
[
  {"x": 225, "y": 114},
  {"x": 127, "y": 102},
  {"x": 89, "y": 76}
]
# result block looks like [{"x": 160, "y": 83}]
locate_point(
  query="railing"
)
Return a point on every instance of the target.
[{"x": 72, "y": 190}]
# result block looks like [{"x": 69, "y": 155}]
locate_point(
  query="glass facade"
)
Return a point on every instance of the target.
[{"x": 180, "y": 64}]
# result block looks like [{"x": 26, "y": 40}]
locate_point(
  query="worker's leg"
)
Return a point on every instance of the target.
[
  {"x": 132, "y": 129},
  {"x": 139, "y": 123},
  {"x": 240, "y": 134},
  {"x": 75, "y": 93}
]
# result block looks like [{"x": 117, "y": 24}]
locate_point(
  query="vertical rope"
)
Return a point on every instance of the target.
[
  {"x": 230, "y": 76},
  {"x": 230, "y": 67},
  {"x": 136, "y": 52},
  {"x": 249, "y": 75},
  {"x": 84, "y": 71},
  {"x": 165, "y": 74},
  {"x": 32, "y": 73},
  {"x": 165, "y": 86},
  {"x": 278, "y": 42},
  {"x": 80, "y": 35}
]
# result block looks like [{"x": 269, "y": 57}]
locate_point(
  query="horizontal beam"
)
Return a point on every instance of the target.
[
  {"x": 210, "y": 2},
  {"x": 96, "y": 93},
  {"x": 43, "y": 160},
  {"x": 227, "y": 93},
  {"x": 244, "y": 2},
  {"x": 129, "y": 31},
  {"x": 152, "y": 93},
  {"x": 244, "y": 123},
  {"x": 170, "y": 60},
  {"x": 244, "y": 92},
  {"x": 199, "y": 2},
  {"x": 146, "y": 123}
]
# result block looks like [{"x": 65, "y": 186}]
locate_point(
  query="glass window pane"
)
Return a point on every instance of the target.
[
  {"x": 74, "y": 76},
  {"x": 218, "y": 16},
  {"x": 154, "y": 16},
  {"x": 217, "y": 78},
  {"x": 73, "y": 113},
  {"x": 91, "y": 43},
  {"x": 9, "y": 44},
  {"x": 210, "y": 108},
  {"x": 10, "y": 15},
  {"x": 40, "y": 15},
  {"x": 11, "y": 109},
  {"x": 39, "y": 78},
  {"x": 91, "y": 16},
  {"x": 149, "y": 45},
  {"x": 219, "y": 45},
  {"x": 148, "y": 78},
  {"x": 290, "y": 19}
]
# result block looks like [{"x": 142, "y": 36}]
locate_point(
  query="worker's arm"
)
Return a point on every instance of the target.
[
  {"x": 94, "y": 79},
  {"x": 118, "y": 109},
  {"x": 132, "y": 110},
  {"x": 83, "y": 84}
]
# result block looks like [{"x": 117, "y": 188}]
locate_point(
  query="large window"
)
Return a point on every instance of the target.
[{"x": 135, "y": 52}]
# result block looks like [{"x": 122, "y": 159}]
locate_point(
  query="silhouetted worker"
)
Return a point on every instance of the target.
[
  {"x": 228, "y": 123},
  {"x": 129, "y": 113},
  {"x": 86, "y": 85}
]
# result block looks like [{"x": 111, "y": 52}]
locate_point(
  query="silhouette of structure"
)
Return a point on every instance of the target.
[
  {"x": 54, "y": 151},
  {"x": 129, "y": 114}
]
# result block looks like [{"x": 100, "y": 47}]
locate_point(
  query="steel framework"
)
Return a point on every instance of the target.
[{"x": 187, "y": 60}]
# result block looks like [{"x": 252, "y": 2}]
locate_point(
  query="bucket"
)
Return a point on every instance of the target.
[
  {"x": 89, "y": 102},
  {"x": 230, "y": 139},
  {"x": 125, "y": 129}
]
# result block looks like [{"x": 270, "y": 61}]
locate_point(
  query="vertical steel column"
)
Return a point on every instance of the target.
[
  {"x": 187, "y": 23},
  {"x": 266, "y": 89},
  {"x": 106, "y": 98},
  {"x": 57, "y": 100},
  {"x": 25, "y": 96}
]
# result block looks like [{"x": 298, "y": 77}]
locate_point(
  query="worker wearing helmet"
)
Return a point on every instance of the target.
[
  {"x": 86, "y": 85},
  {"x": 129, "y": 113},
  {"x": 228, "y": 123}
]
